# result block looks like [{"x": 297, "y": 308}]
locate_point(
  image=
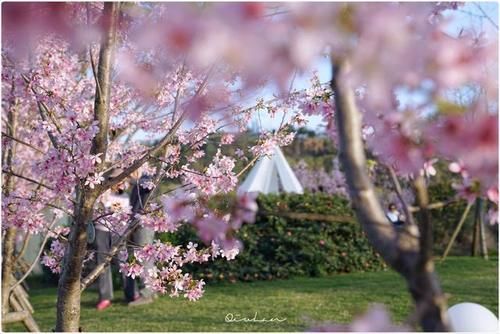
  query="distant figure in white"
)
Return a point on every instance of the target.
[{"x": 394, "y": 216}]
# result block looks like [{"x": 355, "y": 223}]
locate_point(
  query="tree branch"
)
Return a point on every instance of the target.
[
  {"x": 478, "y": 6},
  {"x": 456, "y": 231},
  {"x": 94, "y": 72},
  {"x": 425, "y": 224},
  {"x": 368, "y": 209},
  {"x": 22, "y": 142},
  {"x": 133, "y": 224},
  {"x": 35, "y": 261},
  {"x": 434, "y": 206},
  {"x": 103, "y": 79},
  {"x": 399, "y": 193},
  {"x": 33, "y": 199},
  {"x": 400, "y": 251},
  {"x": 27, "y": 179},
  {"x": 27, "y": 238},
  {"x": 167, "y": 139},
  {"x": 41, "y": 109}
]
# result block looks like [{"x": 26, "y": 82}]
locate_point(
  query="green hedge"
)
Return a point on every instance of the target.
[{"x": 279, "y": 247}]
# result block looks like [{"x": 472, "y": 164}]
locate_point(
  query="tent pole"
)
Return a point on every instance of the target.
[
  {"x": 475, "y": 229},
  {"x": 484, "y": 249},
  {"x": 457, "y": 229}
]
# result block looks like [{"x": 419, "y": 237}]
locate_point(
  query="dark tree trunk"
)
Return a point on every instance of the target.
[
  {"x": 68, "y": 293},
  {"x": 7, "y": 266},
  {"x": 8, "y": 243},
  {"x": 408, "y": 251}
]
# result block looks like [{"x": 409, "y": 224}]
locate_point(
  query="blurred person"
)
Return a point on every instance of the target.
[
  {"x": 114, "y": 200},
  {"x": 394, "y": 216},
  {"x": 135, "y": 291}
]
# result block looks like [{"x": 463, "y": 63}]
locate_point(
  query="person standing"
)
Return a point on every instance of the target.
[
  {"x": 114, "y": 200},
  {"x": 135, "y": 292}
]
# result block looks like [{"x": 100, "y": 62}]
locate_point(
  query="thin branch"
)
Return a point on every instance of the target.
[
  {"x": 434, "y": 206},
  {"x": 289, "y": 92},
  {"x": 103, "y": 216},
  {"x": 426, "y": 240},
  {"x": 27, "y": 179},
  {"x": 178, "y": 93},
  {"x": 41, "y": 111},
  {"x": 486, "y": 15},
  {"x": 167, "y": 139},
  {"x": 22, "y": 142},
  {"x": 399, "y": 193},
  {"x": 277, "y": 13},
  {"x": 186, "y": 185},
  {"x": 48, "y": 204},
  {"x": 133, "y": 224},
  {"x": 94, "y": 72},
  {"x": 27, "y": 238},
  {"x": 247, "y": 166},
  {"x": 456, "y": 231},
  {"x": 35, "y": 261}
]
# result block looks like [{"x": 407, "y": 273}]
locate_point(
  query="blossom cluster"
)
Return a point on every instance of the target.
[
  {"x": 218, "y": 177},
  {"x": 332, "y": 182},
  {"x": 19, "y": 211},
  {"x": 211, "y": 225},
  {"x": 184, "y": 74},
  {"x": 160, "y": 266},
  {"x": 53, "y": 259}
]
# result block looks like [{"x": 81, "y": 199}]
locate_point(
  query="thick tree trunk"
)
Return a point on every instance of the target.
[
  {"x": 7, "y": 266},
  {"x": 103, "y": 79},
  {"x": 69, "y": 293},
  {"x": 8, "y": 243},
  {"x": 68, "y": 296},
  {"x": 407, "y": 251}
]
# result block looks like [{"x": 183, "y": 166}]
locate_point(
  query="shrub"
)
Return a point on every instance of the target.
[{"x": 277, "y": 246}]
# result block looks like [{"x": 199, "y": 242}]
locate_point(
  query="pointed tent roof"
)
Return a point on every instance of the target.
[{"x": 271, "y": 174}]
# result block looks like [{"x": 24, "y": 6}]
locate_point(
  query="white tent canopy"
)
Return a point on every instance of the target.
[{"x": 271, "y": 174}]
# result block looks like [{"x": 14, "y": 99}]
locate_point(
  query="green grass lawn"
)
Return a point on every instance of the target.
[{"x": 300, "y": 300}]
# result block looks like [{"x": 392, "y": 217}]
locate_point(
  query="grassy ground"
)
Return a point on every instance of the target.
[{"x": 300, "y": 300}]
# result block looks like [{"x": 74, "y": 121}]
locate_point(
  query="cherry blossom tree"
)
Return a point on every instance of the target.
[
  {"x": 332, "y": 182},
  {"x": 92, "y": 79},
  {"x": 73, "y": 112}
]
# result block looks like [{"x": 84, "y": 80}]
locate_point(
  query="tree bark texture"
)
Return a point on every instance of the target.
[
  {"x": 400, "y": 249},
  {"x": 8, "y": 243},
  {"x": 69, "y": 293}
]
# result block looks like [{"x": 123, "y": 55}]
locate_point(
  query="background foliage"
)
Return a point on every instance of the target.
[{"x": 276, "y": 246}]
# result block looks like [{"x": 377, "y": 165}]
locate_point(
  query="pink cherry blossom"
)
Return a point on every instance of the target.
[
  {"x": 131, "y": 270},
  {"x": 227, "y": 139},
  {"x": 94, "y": 180},
  {"x": 183, "y": 65}
]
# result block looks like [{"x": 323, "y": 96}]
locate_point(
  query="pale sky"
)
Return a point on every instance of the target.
[{"x": 471, "y": 16}]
